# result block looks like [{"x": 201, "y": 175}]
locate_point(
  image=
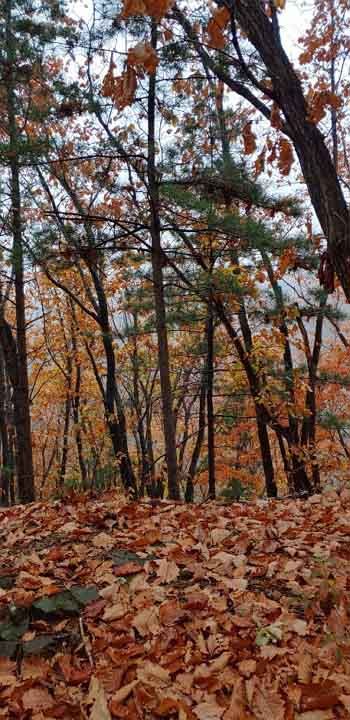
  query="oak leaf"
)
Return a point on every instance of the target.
[
  {"x": 249, "y": 139},
  {"x": 154, "y": 8},
  {"x": 143, "y": 57},
  {"x": 285, "y": 158},
  {"x": 216, "y": 27}
]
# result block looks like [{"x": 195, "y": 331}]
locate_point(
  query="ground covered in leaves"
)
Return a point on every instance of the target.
[{"x": 110, "y": 609}]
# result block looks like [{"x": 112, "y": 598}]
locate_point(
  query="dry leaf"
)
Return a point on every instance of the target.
[
  {"x": 209, "y": 710},
  {"x": 124, "y": 692},
  {"x": 167, "y": 571},
  {"x": 99, "y": 710},
  {"x": 37, "y": 698}
]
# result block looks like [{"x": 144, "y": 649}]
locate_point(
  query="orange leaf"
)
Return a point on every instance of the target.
[
  {"x": 125, "y": 88},
  {"x": 249, "y": 139},
  {"x": 154, "y": 8},
  {"x": 276, "y": 120},
  {"x": 216, "y": 26},
  {"x": 144, "y": 57},
  {"x": 134, "y": 7},
  {"x": 285, "y": 159}
]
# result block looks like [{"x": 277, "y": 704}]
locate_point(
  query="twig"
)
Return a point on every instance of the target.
[{"x": 85, "y": 642}]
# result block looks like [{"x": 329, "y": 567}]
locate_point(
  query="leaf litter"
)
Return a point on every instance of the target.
[{"x": 112, "y": 609}]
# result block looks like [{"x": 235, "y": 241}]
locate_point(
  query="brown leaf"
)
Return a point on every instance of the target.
[
  {"x": 7, "y": 672},
  {"x": 216, "y": 27},
  {"x": 37, "y": 698},
  {"x": 123, "y": 693},
  {"x": 143, "y": 57},
  {"x": 99, "y": 710},
  {"x": 236, "y": 709},
  {"x": 209, "y": 710},
  {"x": 249, "y": 139},
  {"x": 319, "y": 696}
]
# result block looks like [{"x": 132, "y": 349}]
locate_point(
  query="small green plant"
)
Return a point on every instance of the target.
[{"x": 235, "y": 491}]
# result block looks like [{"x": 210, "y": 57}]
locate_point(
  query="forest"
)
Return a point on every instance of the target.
[
  {"x": 174, "y": 250},
  {"x": 174, "y": 360}
]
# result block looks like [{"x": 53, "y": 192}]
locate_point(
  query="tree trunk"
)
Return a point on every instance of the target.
[
  {"x": 266, "y": 456},
  {"x": 210, "y": 404},
  {"x": 5, "y": 458},
  {"x": 64, "y": 456},
  {"x": 159, "y": 299},
  {"x": 25, "y": 477},
  {"x": 115, "y": 416}
]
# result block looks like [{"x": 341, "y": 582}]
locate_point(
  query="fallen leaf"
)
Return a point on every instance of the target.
[
  {"x": 99, "y": 710},
  {"x": 37, "y": 698},
  {"x": 209, "y": 710},
  {"x": 167, "y": 571},
  {"x": 123, "y": 693}
]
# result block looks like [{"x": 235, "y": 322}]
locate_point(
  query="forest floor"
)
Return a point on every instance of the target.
[{"x": 112, "y": 609}]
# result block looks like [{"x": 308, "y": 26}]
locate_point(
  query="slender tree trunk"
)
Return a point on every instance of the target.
[
  {"x": 65, "y": 439},
  {"x": 76, "y": 400},
  {"x": 159, "y": 299},
  {"x": 25, "y": 477},
  {"x": 5, "y": 460},
  {"x": 113, "y": 406},
  {"x": 144, "y": 460},
  {"x": 263, "y": 435},
  {"x": 189, "y": 492},
  {"x": 266, "y": 456},
  {"x": 285, "y": 461},
  {"x": 210, "y": 404}
]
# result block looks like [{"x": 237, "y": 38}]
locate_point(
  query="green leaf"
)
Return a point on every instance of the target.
[
  {"x": 7, "y": 581},
  {"x": 62, "y": 602},
  {"x": 12, "y": 630},
  {"x": 269, "y": 634},
  {"x": 68, "y": 602},
  {"x": 84, "y": 595},
  {"x": 38, "y": 644},
  {"x": 121, "y": 557},
  {"x": 8, "y": 649}
]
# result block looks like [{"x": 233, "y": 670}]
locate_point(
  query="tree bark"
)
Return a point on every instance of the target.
[
  {"x": 210, "y": 404},
  {"x": 159, "y": 299},
  {"x": 25, "y": 476}
]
